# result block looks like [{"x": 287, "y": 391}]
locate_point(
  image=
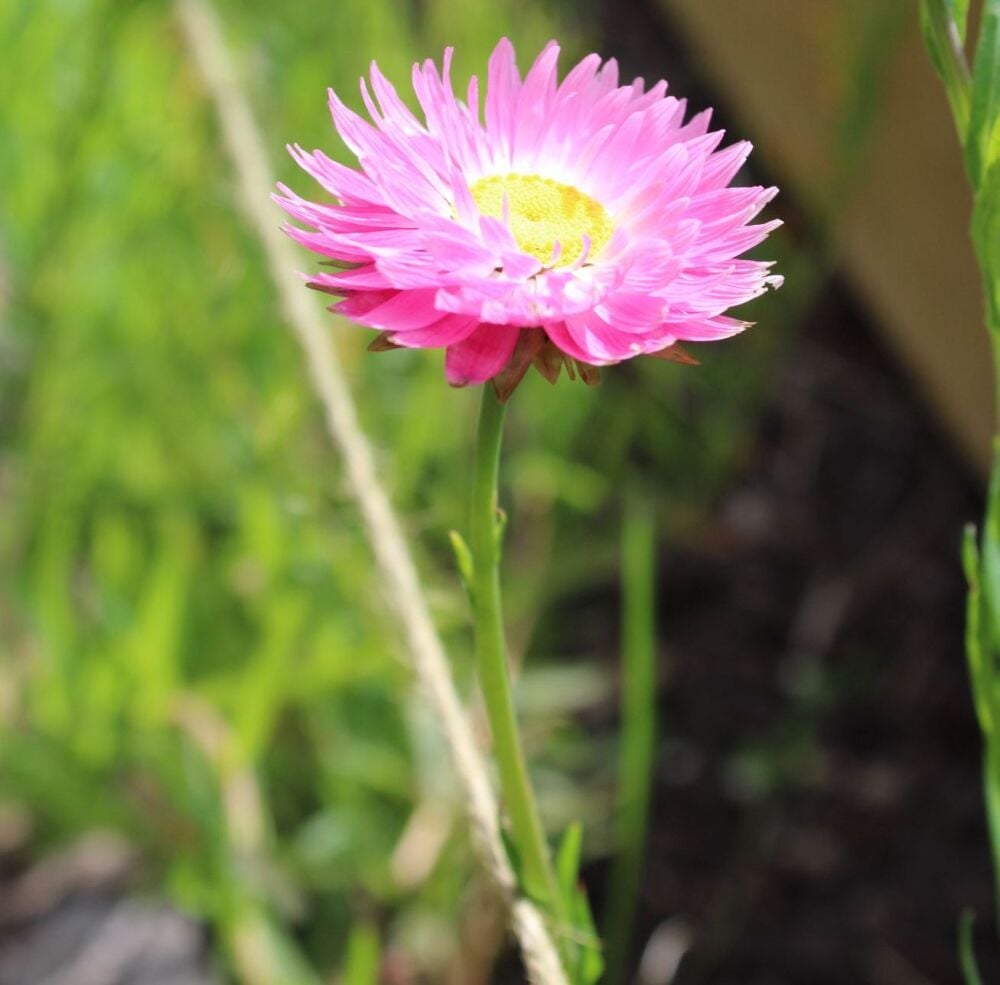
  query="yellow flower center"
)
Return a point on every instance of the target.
[{"x": 544, "y": 212}]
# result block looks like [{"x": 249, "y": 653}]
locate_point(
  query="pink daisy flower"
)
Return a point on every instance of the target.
[{"x": 581, "y": 222}]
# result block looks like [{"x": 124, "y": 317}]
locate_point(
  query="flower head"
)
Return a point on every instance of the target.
[{"x": 581, "y": 222}]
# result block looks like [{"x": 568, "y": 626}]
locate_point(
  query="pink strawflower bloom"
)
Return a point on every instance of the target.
[{"x": 580, "y": 221}]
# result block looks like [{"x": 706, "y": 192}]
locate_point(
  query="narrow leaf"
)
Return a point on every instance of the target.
[
  {"x": 976, "y": 646},
  {"x": 499, "y": 526},
  {"x": 989, "y": 549},
  {"x": 590, "y": 959},
  {"x": 361, "y": 966},
  {"x": 991, "y": 789},
  {"x": 582, "y": 943},
  {"x": 463, "y": 557},
  {"x": 981, "y": 145},
  {"x": 966, "y": 954},
  {"x": 568, "y": 859},
  {"x": 959, "y": 10},
  {"x": 944, "y": 38}
]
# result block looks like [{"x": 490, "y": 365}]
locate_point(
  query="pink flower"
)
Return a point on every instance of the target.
[{"x": 577, "y": 222}]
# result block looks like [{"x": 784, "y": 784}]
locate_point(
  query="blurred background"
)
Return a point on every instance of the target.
[{"x": 212, "y": 764}]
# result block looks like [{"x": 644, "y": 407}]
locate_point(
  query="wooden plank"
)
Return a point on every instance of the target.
[{"x": 902, "y": 235}]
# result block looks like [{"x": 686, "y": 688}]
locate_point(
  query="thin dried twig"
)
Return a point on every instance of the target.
[{"x": 402, "y": 589}]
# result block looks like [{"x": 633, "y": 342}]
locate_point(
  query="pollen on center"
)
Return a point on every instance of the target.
[{"x": 544, "y": 212}]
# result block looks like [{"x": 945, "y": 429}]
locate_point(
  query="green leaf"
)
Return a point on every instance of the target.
[
  {"x": 976, "y": 645},
  {"x": 966, "y": 954},
  {"x": 361, "y": 965},
  {"x": 959, "y": 11},
  {"x": 933, "y": 38},
  {"x": 982, "y": 143},
  {"x": 583, "y": 943},
  {"x": 986, "y": 239},
  {"x": 533, "y": 892},
  {"x": 590, "y": 960},
  {"x": 970, "y": 556},
  {"x": 463, "y": 557},
  {"x": 568, "y": 859},
  {"x": 991, "y": 788},
  {"x": 943, "y": 24}
]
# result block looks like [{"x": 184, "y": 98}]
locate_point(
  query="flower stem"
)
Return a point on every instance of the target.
[{"x": 491, "y": 655}]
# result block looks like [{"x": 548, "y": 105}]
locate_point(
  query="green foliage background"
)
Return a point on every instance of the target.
[{"x": 195, "y": 648}]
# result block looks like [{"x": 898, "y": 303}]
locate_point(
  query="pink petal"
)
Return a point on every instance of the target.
[
  {"x": 708, "y": 330},
  {"x": 447, "y": 331},
  {"x": 533, "y": 105},
  {"x": 356, "y": 279},
  {"x": 403, "y": 311},
  {"x": 480, "y": 356},
  {"x": 502, "y": 88}
]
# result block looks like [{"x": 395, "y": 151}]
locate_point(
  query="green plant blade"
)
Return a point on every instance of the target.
[
  {"x": 361, "y": 966},
  {"x": 983, "y": 141},
  {"x": 943, "y": 37},
  {"x": 966, "y": 953}
]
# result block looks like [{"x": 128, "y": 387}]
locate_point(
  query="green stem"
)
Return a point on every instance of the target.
[
  {"x": 491, "y": 654},
  {"x": 635, "y": 759}
]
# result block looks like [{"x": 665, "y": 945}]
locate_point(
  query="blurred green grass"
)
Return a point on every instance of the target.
[{"x": 195, "y": 646}]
